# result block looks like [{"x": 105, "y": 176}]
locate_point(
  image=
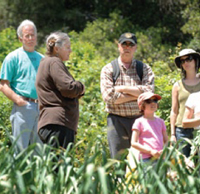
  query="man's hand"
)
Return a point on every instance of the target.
[
  {"x": 9, "y": 93},
  {"x": 20, "y": 101}
]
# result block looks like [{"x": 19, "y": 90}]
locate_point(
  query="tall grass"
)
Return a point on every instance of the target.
[{"x": 39, "y": 170}]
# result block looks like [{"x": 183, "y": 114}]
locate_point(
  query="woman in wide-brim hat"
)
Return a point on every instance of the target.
[
  {"x": 188, "y": 62},
  {"x": 186, "y": 52}
]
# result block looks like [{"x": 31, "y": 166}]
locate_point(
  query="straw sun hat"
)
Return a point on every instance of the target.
[{"x": 186, "y": 52}]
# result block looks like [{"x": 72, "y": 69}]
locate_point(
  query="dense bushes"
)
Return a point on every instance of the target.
[{"x": 8, "y": 43}]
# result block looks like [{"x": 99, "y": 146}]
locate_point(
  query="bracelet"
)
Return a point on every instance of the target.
[{"x": 172, "y": 134}]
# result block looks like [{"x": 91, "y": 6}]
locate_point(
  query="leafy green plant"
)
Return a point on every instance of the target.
[
  {"x": 44, "y": 172},
  {"x": 8, "y": 42}
]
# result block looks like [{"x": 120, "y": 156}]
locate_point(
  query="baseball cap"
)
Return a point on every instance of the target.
[
  {"x": 185, "y": 52},
  {"x": 128, "y": 37},
  {"x": 145, "y": 96}
]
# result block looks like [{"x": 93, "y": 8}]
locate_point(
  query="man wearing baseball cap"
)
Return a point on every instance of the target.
[{"x": 121, "y": 95}]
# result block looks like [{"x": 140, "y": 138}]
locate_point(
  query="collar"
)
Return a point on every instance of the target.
[{"x": 123, "y": 65}]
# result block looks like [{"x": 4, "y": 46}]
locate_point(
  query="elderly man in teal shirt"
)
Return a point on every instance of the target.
[{"x": 18, "y": 76}]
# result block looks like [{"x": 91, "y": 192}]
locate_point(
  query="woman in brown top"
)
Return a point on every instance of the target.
[
  {"x": 188, "y": 62},
  {"x": 58, "y": 94}
]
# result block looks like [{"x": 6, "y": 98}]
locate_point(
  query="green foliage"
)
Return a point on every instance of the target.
[
  {"x": 44, "y": 15},
  {"x": 85, "y": 64},
  {"x": 163, "y": 87},
  {"x": 168, "y": 16},
  {"x": 102, "y": 32},
  {"x": 149, "y": 50},
  {"x": 5, "y": 110},
  {"x": 192, "y": 15},
  {"x": 8, "y": 42},
  {"x": 45, "y": 172}
]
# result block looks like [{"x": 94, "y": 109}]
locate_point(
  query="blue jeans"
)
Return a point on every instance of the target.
[
  {"x": 184, "y": 133},
  {"x": 24, "y": 121}
]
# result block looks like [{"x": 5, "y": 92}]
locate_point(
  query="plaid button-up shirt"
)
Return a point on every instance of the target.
[{"x": 127, "y": 77}]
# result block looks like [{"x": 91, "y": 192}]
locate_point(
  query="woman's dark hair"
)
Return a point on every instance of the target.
[{"x": 183, "y": 72}]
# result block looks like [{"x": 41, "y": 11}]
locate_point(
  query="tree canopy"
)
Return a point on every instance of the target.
[{"x": 174, "y": 19}]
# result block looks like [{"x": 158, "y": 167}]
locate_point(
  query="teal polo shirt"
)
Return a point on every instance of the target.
[{"x": 20, "y": 69}]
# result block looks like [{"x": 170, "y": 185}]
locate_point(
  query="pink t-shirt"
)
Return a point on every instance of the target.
[{"x": 150, "y": 133}]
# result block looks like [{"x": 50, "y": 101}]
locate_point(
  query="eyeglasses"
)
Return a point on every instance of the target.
[
  {"x": 188, "y": 59},
  {"x": 149, "y": 101},
  {"x": 125, "y": 44}
]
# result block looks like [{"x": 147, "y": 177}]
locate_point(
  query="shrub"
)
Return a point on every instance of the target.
[{"x": 8, "y": 42}]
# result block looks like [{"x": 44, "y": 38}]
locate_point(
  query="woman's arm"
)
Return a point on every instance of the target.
[
  {"x": 174, "y": 110},
  {"x": 188, "y": 120}
]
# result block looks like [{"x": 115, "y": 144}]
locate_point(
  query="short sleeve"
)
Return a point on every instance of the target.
[
  {"x": 8, "y": 68},
  {"x": 136, "y": 125}
]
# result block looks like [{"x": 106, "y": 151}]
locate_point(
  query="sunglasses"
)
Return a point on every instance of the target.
[
  {"x": 149, "y": 101},
  {"x": 188, "y": 59},
  {"x": 125, "y": 44}
]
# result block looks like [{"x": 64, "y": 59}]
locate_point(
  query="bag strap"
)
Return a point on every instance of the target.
[
  {"x": 139, "y": 69},
  {"x": 116, "y": 70}
]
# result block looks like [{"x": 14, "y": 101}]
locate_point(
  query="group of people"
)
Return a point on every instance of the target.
[
  {"x": 45, "y": 96},
  {"x": 44, "y": 93},
  {"x": 131, "y": 103}
]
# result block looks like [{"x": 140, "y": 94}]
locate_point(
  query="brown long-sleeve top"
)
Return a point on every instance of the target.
[{"x": 58, "y": 94}]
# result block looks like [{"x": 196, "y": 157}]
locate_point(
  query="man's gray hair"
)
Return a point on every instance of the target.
[{"x": 25, "y": 23}]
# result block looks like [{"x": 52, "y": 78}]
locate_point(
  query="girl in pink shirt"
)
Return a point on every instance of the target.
[{"x": 149, "y": 132}]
